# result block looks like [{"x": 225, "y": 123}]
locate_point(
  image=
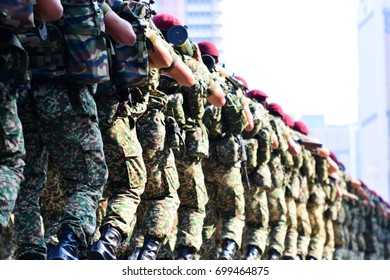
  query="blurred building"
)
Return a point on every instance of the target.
[
  {"x": 201, "y": 16},
  {"x": 374, "y": 92},
  {"x": 340, "y": 139}
]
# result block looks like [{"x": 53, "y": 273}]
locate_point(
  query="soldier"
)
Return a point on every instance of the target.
[
  {"x": 160, "y": 199},
  {"x": 222, "y": 169},
  {"x": 292, "y": 189},
  {"x": 17, "y": 17},
  {"x": 259, "y": 142},
  {"x": 63, "y": 123},
  {"x": 188, "y": 155},
  {"x": 276, "y": 195},
  {"x": 305, "y": 175}
]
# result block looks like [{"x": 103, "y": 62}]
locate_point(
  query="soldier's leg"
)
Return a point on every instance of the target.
[
  {"x": 209, "y": 247},
  {"x": 304, "y": 230},
  {"x": 316, "y": 213},
  {"x": 329, "y": 246},
  {"x": 291, "y": 240},
  {"x": 52, "y": 202},
  {"x": 125, "y": 184},
  {"x": 12, "y": 153},
  {"x": 192, "y": 210},
  {"x": 231, "y": 206},
  {"x": 28, "y": 227},
  {"x": 161, "y": 199},
  {"x": 256, "y": 223},
  {"x": 277, "y": 219}
]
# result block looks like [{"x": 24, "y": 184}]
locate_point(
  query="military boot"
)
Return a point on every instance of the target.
[
  {"x": 150, "y": 248},
  {"x": 135, "y": 254},
  {"x": 252, "y": 253},
  {"x": 273, "y": 255},
  {"x": 31, "y": 256},
  {"x": 186, "y": 253},
  {"x": 229, "y": 248},
  {"x": 105, "y": 247},
  {"x": 67, "y": 247},
  {"x": 311, "y": 258}
]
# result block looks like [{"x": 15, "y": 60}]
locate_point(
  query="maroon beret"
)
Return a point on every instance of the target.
[
  {"x": 288, "y": 120},
  {"x": 275, "y": 109},
  {"x": 301, "y": 127},
  {"x": 165, "y": 21},
  {"x": 257, "y": 95},
  {"x": 207, "y": 47},
  {"x": 242, "y": 81}
]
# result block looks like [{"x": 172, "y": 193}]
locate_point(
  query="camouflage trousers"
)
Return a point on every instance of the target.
[
  {"x": 226, "y": 202},
  {"x": 329, "y": 246},
  {"x": 161, "y": 200},
  {"x": 7, "y": 242},
  {"x": 304, "y": 227},
  {"x": 256, "y": 218},
  {"x": 193, "y": 198},
  {"x": 340, "y": 241},
  {"x": 277, "y": 219},
  {"x": 52, "y": 203},
  {"x": 315, "y": 208},
  {"x": 67, "y": 129},
  {"x": 290, "y": 243},
  {"x": 127, "y": 175},
  {"x": 12, "y": 153}
]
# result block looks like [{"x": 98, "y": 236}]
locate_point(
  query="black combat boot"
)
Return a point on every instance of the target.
[
  {"x": 311, "y": 258},
  {"x": 299, "y": 257},
  {"x": 31, "y": 256},
  {"x": 273, "y": 255},
  {"x": 67, "y": 247},
  {"x": 252, "y": 253},
  {"x": 150, "y": 248},
  {"x": 186, "y": 253},
  {"x": 229, "y": 248},
  {"x": 135, "y": 254},
  {"x": 105, "y": 247}
]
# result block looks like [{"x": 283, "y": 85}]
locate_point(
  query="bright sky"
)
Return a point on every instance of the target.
[{"x": 302, "y": 53}]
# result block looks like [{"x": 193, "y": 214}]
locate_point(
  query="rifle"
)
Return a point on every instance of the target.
[
  {"x": 244, "y": 158},
  {"x": 311, "y": 146}
]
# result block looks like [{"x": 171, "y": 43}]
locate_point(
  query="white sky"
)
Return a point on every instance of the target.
[{"x": 302, "y": 53}]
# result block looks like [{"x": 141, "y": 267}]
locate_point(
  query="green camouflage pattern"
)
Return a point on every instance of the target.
[
  {"x": 46, "y": 54},
  {"x": 226, "y": 202},
  {"x": 87, "y": 55},
  {"x": 256, "y": 219},
  {"x": 72, "y": 138},
  {"x": 16, "y": 15},
  {"x": 12, "y": 150},
  {"x": 127, "y": 173}
]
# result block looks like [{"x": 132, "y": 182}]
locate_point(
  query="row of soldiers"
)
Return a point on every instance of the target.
[{"x": 138, "y": 145}]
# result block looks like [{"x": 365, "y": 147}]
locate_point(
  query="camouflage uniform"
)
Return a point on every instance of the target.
[
  {"x": 276, "y": 195},
  {"x": 258, "y": 148},
  {"x": 222, "y": 170},
  {"x": 127, "y": 173},
  {"x": 315, "y": 207},
  {"x": 340, "y": 238},
  {"x": 16, "y": 17},
  {"x": 304, "y": 227},
  {"x": 160, "y": 197},
  {"x": 60, "y": 119},
  {"x": 330, "y": 215},
  {"x": 192, "y": 191},
  {"x": 292, "y": 185}
]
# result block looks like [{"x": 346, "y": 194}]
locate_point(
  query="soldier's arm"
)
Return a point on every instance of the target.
[
  {"x": 180, "y": 72},
  {"x": 159, "y": 55},
  {"x": 118, "y": 28},
  {"x": 49, "y": 9},
  {"x": 248, "y": 114},
  {"x": 333, "y": 167},
  {"x": 216, "y": 95}
]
